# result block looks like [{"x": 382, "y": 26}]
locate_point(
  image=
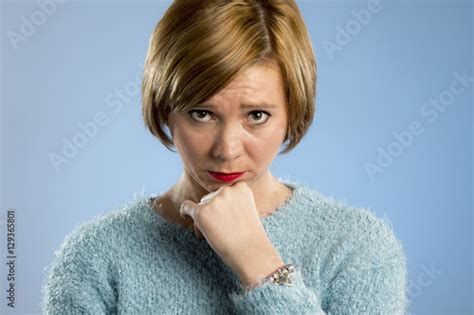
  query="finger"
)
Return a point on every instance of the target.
[
  {"x": 209, "y": 196},
  {"x": 198, "y": 233},
  {"x": 187, "y": 209}
]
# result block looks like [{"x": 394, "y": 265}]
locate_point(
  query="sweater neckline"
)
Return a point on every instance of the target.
[{"x": 182, "y": 232}]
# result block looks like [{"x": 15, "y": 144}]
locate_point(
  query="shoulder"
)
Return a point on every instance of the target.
[
  {"x": 101, "y": 233},
  {"x": 355, "y": 227},
  {"x": 85, "y": 263}
]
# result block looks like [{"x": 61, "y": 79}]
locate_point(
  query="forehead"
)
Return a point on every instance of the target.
[{"x": 256, "y": 84}]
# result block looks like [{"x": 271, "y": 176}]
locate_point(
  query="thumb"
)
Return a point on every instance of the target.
[
  {"x": 197, "y": 232},
  {"x": 187, "y": 209}
]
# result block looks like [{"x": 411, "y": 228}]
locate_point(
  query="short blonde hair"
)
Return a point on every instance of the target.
[{"x": 198, "y": 47}]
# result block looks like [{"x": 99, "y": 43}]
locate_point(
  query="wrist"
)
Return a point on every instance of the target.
[{"x": 255, "y": 273}]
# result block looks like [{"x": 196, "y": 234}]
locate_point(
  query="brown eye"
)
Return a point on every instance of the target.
[
  {"x": 199, "y": 115},
  {"x": 260, "y": 117}
]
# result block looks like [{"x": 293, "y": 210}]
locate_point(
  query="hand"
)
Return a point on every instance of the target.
[{"x": 229, "y": 220}]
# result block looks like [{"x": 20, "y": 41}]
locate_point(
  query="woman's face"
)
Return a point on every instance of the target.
[{"x": 226, "y": 135}]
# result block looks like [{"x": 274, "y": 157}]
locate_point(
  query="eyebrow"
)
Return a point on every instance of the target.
[{"x": 245, "y": 105}]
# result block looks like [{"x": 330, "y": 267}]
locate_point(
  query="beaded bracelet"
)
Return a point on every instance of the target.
[{"x": 281, "y": 276}]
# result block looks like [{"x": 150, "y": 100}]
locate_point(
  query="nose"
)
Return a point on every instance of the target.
[{"x": 228, "y": 144}]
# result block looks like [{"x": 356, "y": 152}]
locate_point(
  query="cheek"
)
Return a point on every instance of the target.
[
  {"x": 266, "y": 146},
  {"x": 189, "y": 143},
  {"x": 275, "y": 136}
]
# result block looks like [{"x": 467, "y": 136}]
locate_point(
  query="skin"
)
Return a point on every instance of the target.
[
  {"x": 230, "y": 138},
  {"x": 231, "y": 142}
]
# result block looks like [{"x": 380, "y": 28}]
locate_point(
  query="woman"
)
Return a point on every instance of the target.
[{"x": 232, "y": 81}]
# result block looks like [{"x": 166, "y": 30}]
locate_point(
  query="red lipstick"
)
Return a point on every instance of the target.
[{"x": 225, "y": 177}]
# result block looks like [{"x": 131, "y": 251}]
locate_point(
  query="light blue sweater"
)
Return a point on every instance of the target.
[{"x": 133, "y": 261}]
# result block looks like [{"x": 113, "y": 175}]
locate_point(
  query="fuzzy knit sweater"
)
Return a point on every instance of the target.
[{"x": 133, "y": 261}]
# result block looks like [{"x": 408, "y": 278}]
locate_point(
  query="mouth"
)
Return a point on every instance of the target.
[{"x": 225, "y": 177}]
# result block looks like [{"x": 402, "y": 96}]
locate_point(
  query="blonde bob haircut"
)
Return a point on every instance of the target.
[{"x": 198, "y": 47}]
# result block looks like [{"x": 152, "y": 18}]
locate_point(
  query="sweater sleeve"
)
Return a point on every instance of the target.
[
  {"x": 278, "y": 299},
  {"x": 77, "y": 281},
  {"x": 371, "y": 281}
]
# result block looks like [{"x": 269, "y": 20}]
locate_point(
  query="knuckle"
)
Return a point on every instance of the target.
[
  {"x": 225, "y": 190},
  {"x": 242, "y": 185}
]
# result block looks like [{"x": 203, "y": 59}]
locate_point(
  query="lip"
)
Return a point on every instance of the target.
[{"x": 225, "y": 177}]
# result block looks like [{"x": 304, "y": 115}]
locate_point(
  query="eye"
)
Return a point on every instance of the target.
[
  {"x": 198, "y": 114},
  {"x": 258, "y": 114}
]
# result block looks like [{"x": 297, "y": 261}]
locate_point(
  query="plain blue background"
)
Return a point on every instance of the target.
[{"x": 78, "y": 64}]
